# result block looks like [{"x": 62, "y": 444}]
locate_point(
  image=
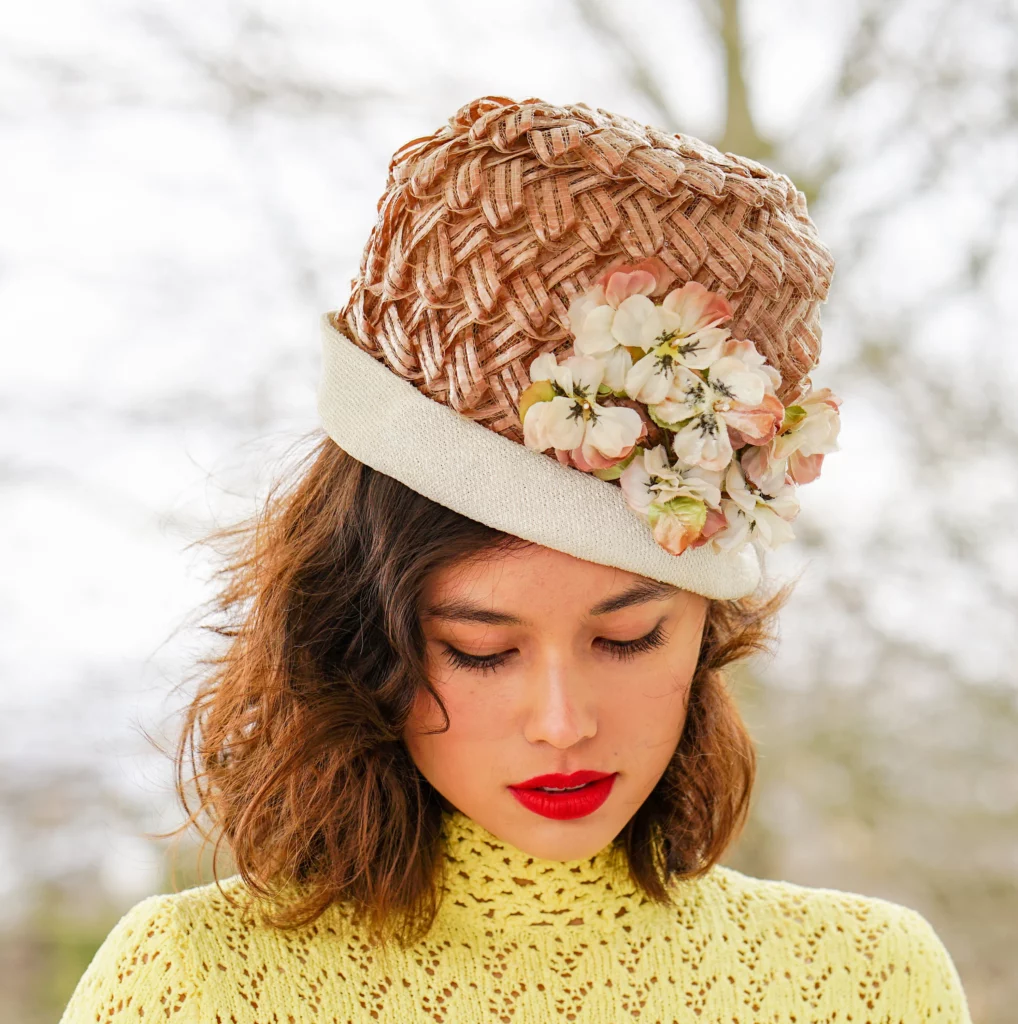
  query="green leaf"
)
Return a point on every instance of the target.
[
  {"x": 794, "y": 414},
  {"x": 539, "y": 391},
  {"x": 691, "y": 511},
  {"x": 662, "y": 424}
]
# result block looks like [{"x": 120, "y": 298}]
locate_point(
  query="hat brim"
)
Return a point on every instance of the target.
[{"x": 383, "y": 421}]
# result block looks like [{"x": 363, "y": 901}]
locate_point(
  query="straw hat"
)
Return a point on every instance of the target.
[{"x": 488, "y": 230}]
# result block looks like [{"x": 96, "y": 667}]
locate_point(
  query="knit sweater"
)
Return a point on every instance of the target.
[{"x": 524, "y": 940}]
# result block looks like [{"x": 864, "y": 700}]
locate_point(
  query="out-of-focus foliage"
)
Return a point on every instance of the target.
[{"x": 181, "y": 196}]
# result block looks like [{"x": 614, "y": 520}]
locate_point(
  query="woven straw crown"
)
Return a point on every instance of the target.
[{"x": 490, "y": 226}]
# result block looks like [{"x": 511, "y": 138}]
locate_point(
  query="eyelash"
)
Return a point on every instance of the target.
[{"x": 624, "y": 650}]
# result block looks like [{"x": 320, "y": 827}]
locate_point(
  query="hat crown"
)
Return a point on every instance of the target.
[{"x": 490, "y": 226}]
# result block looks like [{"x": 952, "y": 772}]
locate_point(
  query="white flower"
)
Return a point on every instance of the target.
[
  {"x": 702, "y": 409},
  {"x": 651, "y": 479},
  {"x": 572, "y": 419},
  {"x": 682, "y": 331},
  {"x": 674, "y": 499},
  {"x": 755, "y": 516},
  {"x": 744, "y": 350},
  {"x": 596, "y": 337},
  {"x": 593, "y": 318},
  {"x": 811, "y": 432}
]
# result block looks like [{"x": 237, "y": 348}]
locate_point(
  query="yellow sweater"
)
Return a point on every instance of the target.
[{"x": 524, "y": 940}]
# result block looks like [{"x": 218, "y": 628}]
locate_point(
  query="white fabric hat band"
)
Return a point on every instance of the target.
[{"x": 383, "y": 421}]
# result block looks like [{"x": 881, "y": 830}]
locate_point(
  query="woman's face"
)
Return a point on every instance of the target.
[{"x": 551, "y": 666}]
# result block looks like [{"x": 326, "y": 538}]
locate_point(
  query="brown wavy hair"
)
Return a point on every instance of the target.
[{"x": 292, "y": 751}]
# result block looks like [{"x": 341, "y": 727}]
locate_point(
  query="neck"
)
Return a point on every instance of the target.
[{"x": 512, "y": 888}]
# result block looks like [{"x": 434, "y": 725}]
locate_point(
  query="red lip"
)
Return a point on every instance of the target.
[
  {"x": 577, "y": 803},
  {"x": 557, "y": 781}
]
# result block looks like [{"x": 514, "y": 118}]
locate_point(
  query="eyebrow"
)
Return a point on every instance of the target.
[{"x": 639, "y": 593}]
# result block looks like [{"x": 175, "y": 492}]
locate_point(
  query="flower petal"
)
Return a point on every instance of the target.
[
  {"x": 747, "y": 353},
  {"x": 735, "y": 486},
  {"x": 771, "y": 530},
  {"x": 553, "y": 425},
  {"x": 595, "y": 337},
  {"x": 635, "y": 482},
  {"x": 614, "y": 431},
  {"x": 714, "y": 523},
  {"x": 544, "y": 367},
  {"x": 702, "y": 349},
  {"x": 656, "y": 461},
  {"x": 617, "y": 365},
  {"x": 627, "y": 327},
  {"x": 622, "y": 285},
  {"x": 649, "y": 380},
  {"x": 704, "y": 484},
  {"x": 761, "y": 467},
  {"x": 736, "y": 534},
  {"x": 756, "y": 425},
  {"x": 804, "y": 469},
  {"x": 697, "y": 306},
  {"x": 581, "y": 306},
  {"x": 587, "y": 374},
  {"x": 589, "y": 458},
  {"x": 659, "y": 327},
  {"x": 678, "y": 524},
  {"x": 701, "y": 443},
  {"x": 539, "y": 391},
  {"x": 734, "y": 377}
]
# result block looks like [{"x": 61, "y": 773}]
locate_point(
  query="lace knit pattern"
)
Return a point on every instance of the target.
[{"x": 524, "y": 940}]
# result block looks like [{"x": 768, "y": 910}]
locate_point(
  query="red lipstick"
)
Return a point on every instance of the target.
[{"x": 564, "y": 796}]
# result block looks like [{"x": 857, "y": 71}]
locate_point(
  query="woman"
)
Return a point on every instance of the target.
[{"x": 468, "y": 740}]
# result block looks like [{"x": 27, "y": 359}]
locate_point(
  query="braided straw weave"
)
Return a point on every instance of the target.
[{"x": 490, "y": 226}]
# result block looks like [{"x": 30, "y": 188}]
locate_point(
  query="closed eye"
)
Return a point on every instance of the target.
[{"x": 624, "y": 650}]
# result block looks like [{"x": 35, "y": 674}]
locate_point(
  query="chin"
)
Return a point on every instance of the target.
[{"x": 547, "y": 839}]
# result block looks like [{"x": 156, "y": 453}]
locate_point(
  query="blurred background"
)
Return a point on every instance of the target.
[{"x": 184, "y": 189}]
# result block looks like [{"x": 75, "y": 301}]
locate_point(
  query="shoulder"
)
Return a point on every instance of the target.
[
  {"x": 890, "y": 953},
  {"x": 156, "y": 958},
  {"x": 140, "y": 964}
]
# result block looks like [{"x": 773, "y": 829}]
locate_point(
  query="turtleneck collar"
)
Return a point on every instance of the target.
[{"x": 498, "y": 885}]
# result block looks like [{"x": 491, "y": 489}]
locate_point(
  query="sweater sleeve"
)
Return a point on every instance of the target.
[
  {"x": 138, "y": 973},
  {"x": 935, "y": 993}
]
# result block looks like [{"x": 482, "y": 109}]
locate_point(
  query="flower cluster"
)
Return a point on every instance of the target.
[{"x": 660, "y": 397}]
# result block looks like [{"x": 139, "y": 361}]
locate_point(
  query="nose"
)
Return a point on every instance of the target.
[{"x": 561, "y": 711}]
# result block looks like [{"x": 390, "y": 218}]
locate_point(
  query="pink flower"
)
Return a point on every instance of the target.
[
  {"x": 696, "y": 307},
  {"x": 762, "y": 469},
  {"x": 755, "y": 516},
  {"x": 676, "y": 499},
  {"x": 754, "y": 424},
  {"x": 804, "y": 469},
  {"x": 643, "y": 278},
  {"x": 810, "y": 432},
  {"x": 716, "y": 521},
  {"x": 681, "y": 331},
  {"x": 676, "y": 532}
]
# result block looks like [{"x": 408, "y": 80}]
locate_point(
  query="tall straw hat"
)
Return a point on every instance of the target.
[{"x": 490, "y": 232}]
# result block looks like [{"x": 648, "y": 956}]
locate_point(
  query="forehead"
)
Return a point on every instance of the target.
[
  {"x": 533, "y": 583},
  {"x": 522, "y": 566}
]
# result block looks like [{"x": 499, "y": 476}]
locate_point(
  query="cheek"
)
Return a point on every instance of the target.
[
  {"x": 649, "y": 712},
  {"x": 478, "y": 722}
]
